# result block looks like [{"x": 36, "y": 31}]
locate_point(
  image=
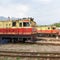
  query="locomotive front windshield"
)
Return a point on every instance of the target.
[{"x": 26, "y": 24}]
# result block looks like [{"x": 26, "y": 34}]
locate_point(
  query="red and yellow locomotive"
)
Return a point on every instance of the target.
[{"x": 18, "y": 30}]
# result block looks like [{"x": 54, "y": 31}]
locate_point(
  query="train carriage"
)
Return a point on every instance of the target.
[{"x": 47, "y": 31}]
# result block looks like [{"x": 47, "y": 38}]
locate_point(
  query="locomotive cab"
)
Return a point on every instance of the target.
[{"x": 29, "y": 29}]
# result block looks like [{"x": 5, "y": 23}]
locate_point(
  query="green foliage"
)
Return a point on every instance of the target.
[
  {"x": 5, "y": 58},
  {"x": 17, "y": 58},
  {"x": 56, "y": 24}
]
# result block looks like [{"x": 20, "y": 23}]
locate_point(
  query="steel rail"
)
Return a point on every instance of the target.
[
  {"x": 30, "y": 54},
  {"x": 48, "y": 38},
  {"x": 44, "y": 43}
]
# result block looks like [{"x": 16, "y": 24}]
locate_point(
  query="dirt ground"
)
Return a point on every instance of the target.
[{"x": 29, "y": 48}]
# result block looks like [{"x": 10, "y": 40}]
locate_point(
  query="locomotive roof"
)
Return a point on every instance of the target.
[{"x": 17, "y": 19}]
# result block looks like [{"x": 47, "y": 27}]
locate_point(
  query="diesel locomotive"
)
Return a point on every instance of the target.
[{"x": 18, "y": 30}]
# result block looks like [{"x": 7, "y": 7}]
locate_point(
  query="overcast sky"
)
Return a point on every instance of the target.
[{"x": 43, "y": 11}]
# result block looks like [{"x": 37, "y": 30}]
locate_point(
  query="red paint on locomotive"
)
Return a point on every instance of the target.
[{"x": 21, "y": 31}]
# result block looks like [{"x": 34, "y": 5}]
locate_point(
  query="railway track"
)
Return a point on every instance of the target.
[
  {"x": 30, "y": 54},
  {"x": 51, "y": 55},
  {"x": 45, "y": 41},
  {"x": 48, "y": 39}
]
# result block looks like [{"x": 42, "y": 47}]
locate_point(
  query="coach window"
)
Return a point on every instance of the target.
[
  {"x": 9, "y": 24},
  {"x": 20, "y": 24},
  {"x": 53, "y": 28},
  {"x": 6, "y": 24},
  {"x": 26, "y": 24},
  {"x": 48, "y": 27},
  {"x": 13, "y": 23}
]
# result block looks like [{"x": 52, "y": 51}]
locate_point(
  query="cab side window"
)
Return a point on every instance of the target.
[
  {"x": 13, "y": 23},
  {"x": 53, "y": 28},
  {"x": 20, "y": 24},
  {"x": 26, "y": 24}
]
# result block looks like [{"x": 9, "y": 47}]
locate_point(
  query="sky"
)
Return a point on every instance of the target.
[{"x": 43, "y": 11}]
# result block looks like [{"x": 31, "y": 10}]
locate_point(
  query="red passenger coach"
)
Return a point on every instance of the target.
[{"x": 18, "y": 30}]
